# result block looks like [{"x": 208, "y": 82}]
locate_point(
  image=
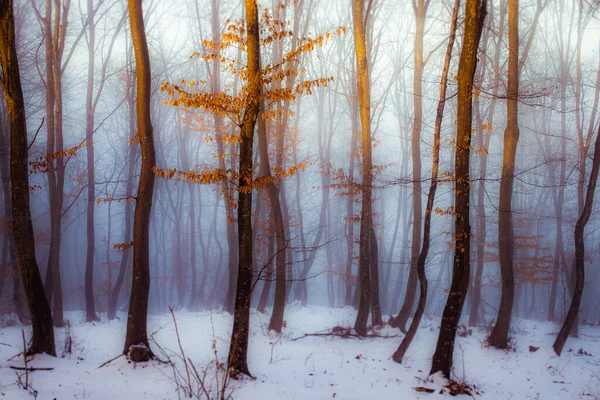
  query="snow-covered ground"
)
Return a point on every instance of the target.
[{"x": 308, "y": 368}]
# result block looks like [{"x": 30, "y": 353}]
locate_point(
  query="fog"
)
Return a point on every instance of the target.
[{"x": 316, "y": 162}]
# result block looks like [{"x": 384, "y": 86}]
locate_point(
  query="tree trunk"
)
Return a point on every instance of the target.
[
  {"x": 483, "y": 141},
  {"x": 276, "y": 321},
  {"x": 420, "y": 10},
  {"x": 9, "y": 259},
  {"x": 42, "y": 340},
  {"x": 412, "y": 330},
  {"x": 571, "y": 318},
  {"x": 350, "y": 206},
  {"x": 366, "y": 224},
  {"x": 499, "y": 336},
  {"x": 238, "y": 351},
  {"x": 90, "y": 310},
  {"x": 140, "y": 288},
  {"x": 475, "y": 11},
  {"x": 267, "y": 275},
  {"x": 126, "y": 256}
]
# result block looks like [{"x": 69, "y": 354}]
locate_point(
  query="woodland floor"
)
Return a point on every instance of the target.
[{"x": 308, "y": 368}]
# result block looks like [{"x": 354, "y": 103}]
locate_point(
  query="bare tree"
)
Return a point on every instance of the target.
[
  {"x": 42, "y": 340},
  {"x": 401, "y": 351},
  {"x": 368, "y": 243},
  {"x": 475, "y": 11},
  {"x": 140, "y": 289},
  {"x": 499, "y": 336},
  {"x": 420, "y": 9}
]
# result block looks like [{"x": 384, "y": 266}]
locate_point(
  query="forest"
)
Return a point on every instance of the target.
[{"x": 311, "y": 199}]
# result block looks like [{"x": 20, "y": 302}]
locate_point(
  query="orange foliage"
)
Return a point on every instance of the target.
[{"x": 41, "y": 164}]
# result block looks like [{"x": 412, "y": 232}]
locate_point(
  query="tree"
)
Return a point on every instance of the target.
[
  {"x": 240, "y": 108},
  {"x": 414, "y": 325},
  {"x": 571, "y": 318},
  {"x": 238, "y": 350},
  {"x": 42, "y": 340},
  {"x": 89, "y": 131},
  {"x": 55, "y": 34},
  {"x": 475, "y": 11},
  {"x": 368, "y": 243},
  {"x": 132, "y": 156},
  {"x": 140, "y": 288},
  {"x": 420, "y": 9},
  {"x": 499, "y": 336},
  {"x": 91, "y": 103}
]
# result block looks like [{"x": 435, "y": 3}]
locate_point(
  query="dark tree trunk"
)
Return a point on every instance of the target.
[
  {"x": 366, "y": 224},
  {"x": 9, "y": 259},
  {"x": 475, "y": 11},
  {"x": 420, "y": 11},
  {"x": 414, "y": 325},
  {"x": 267, "y": 275},
  {"x": 90, "y": 309},
  {"x": 42, "y": 340},
  {"x": 499, "y": 336},
  {"x": 483, "y": 141},
  {"x": 571, "y": 318},
  {"x": 140, "y": 288},
  {"x": 238, "y": 351},
  {"x": 195, "y": 298},
  {"x": 126, "y": 256}
]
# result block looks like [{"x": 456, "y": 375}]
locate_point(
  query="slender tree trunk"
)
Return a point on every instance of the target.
[
  {"x": 499, "y": 336},
  {"x": 238, "y": 351},
  {"x": 91, "y": 188},
  {"x": 42, "y": 340},
  {"x": 276, "y": 321},
  {"x": 420, "y": 10},
  {"x": 140, "y": 288},
  {"x": 559, "y": 198},
  {"x": 366, "y": 226},
  {"x": 276, "y": 216},
  {"x": 475, "y": 11},
  {"x": 9, "y": 258},
  {"x": 126, "y": 256},
  {"x": 350, "y": 205},
  {"x": 195, "y": 299},
  {"x": 267, "y": 275},
  {"x": 401, "y": 351},
  {"x": 483, "y": 141},
  {"x": 232, "y": 244},
  {"x": 571, "y": 318}
]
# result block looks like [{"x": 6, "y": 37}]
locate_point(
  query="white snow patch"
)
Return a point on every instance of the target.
[{"x": 309, "y": 368}]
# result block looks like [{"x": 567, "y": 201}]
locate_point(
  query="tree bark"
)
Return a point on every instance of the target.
[
  {"x": 267, "y": 275},
  {"x": 140, "y": 288},
  {"x": 237, "y": 363},
  {"x": 571, "y": 318},
  {"x": 420, "y": 10},
  {"x": 9, "y": 258},
  {"x": 366, "y": 224},
  {"x": 499, "y": 336},
  {"x": 126, "y": 256},
  {"x": 475, "y": 11},
  {"x": 91, "y": 188},
  {"x": 42, "y": 340},
  {"x": 412, "y": 330}
]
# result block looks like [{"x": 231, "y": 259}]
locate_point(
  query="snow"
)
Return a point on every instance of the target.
[{"x": 308, "y": 368}]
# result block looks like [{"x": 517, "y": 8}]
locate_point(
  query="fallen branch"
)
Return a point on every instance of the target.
[
  {"x": 15, "y": 356},
  {"x": 32, "y": 368},
  {"x": 109, "y": 361},
  {"x": 423, "y": 389},
  {"x": 345, "y": 336}
]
